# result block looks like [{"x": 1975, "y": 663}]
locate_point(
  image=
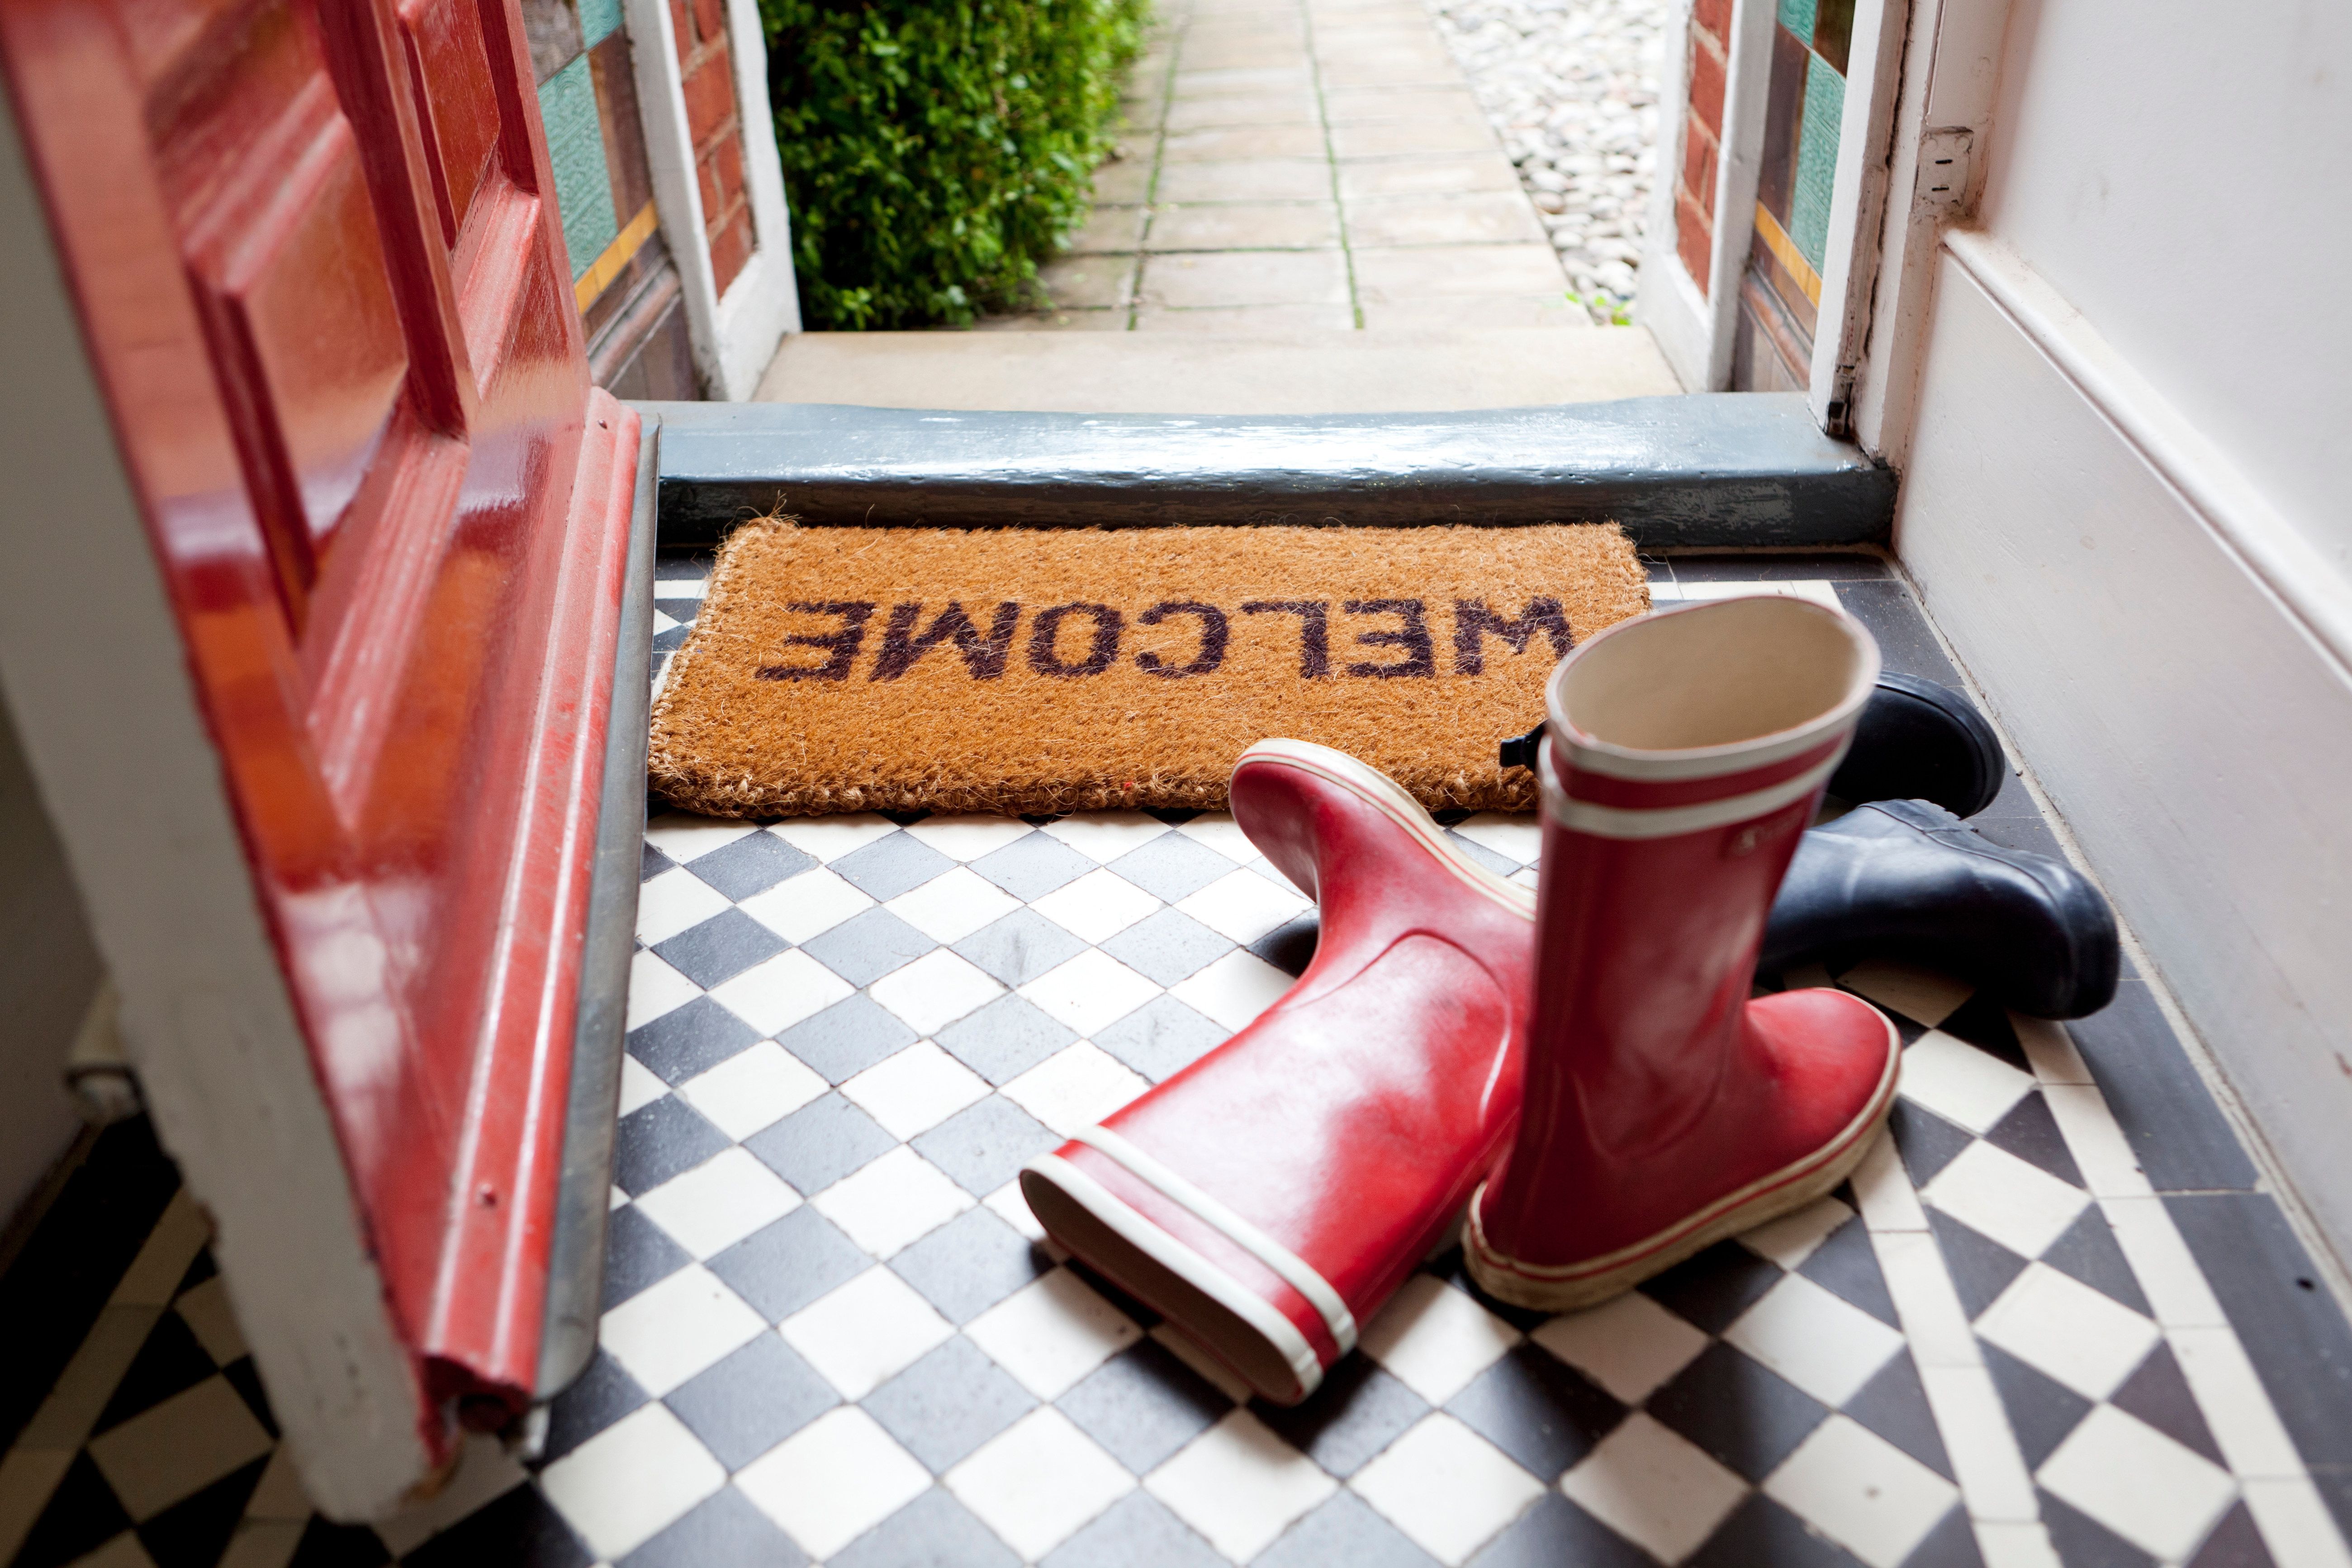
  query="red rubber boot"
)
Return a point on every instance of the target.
[
  {"x": 1687, "y": 754},
  {"x": 1272, "y": 1196}
]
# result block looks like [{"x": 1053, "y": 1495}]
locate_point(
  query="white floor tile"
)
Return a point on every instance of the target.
[
  {"x": 663, "y": 623},
  {"x": 1883, "y": 1188},
  {"x": 1038, "y": 1481},
  {"x": 632, "y": 1480},
  {"x": 1981, "y": 1444},
  {"x": 1091, "y": 992},
  {"x": 2100, "y": 1150},
  {"x": 1824, "y": 1344},
  {"x": 1435, "y": 1339},
  {"x": 670, "y": 1330},
  {"x": 1516, "y": 837},
  {"x": 1051, "y": 1333},
  {"x": 2138, "y": 1482},
  {"x": 1921, "y": 996},
  {"x": 752, "y": 1090},
  {"x": 639, "y": 1086},
  {"x": 915, "y": 1090},
  {"x": 2176, "y": 1288},
  {"x": 1654, "y": 1488},
  {"x": 682, "y": 835},
  {"x": 2084, "y": 1339},
  {"x": 1791, "y": 1239},
  {"x": 1629, "y": 1346},
  {"x": 719, "y": 1202},
  {"x": 2020, "y": 1206},
  {"x": 953, "y": 904},
  {"x": 892, "y": 1202},
  {"x": 968, "y": 837},
  {"x": 1447, "y": 1487},
  {"x": 1959, "y": 1082},
  {"x": 807, "y": 905},
  {"x": 1097, "y": 907},
  {"x": 2244, "y": 1423},
  {"x": 786, "y": 989},
  {"x": 674, "y": 902},
  {"x": 1007, "y": 1204},
  {"x": 1526, "y": 878},
  {"x": 1105, "y": 835},
  {"x": 655, "y": 989},
  {"x": 178, "y": 1446},
  {"x": 2294, "y": 1523},
  {"x": 1243, "y": 906},
  {"x": 2009, "y": 1544},
  {"x": 1240, "y": 1486},
  {"x": 866, "y": 1332},
  {"x": 1217, "y": 830},
  {"x": 830, "y": 837},
  {"x": 2050, "y": 1050},
  {"x": 1926, "y": 1302},
  {"x": 935, "y": 991},
  {"x": 833, "y": 1480},
  {"x": 1234, "y": 989},
  {"x": 1075, "y": 1086},
  {"x": 1862, "y": 1491}
]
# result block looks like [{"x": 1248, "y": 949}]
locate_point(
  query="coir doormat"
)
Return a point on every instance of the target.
[{"x": 1048, "y": 670}]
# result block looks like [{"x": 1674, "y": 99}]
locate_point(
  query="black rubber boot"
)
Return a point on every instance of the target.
[
  {"x": 1915, "y": 741},
  {"x": 1907, "y": 880}
]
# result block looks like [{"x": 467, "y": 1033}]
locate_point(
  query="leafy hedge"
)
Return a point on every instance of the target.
[{"x": 936, "y": 151}]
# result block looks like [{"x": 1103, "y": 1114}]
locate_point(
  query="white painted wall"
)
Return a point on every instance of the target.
[{"x": 2122, "y": 492}]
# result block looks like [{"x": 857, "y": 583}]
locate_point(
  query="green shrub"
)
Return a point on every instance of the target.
[{"x": 936, "y": 151}]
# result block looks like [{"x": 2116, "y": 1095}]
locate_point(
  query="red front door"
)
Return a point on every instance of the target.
[{"x": 323, "y": 287}]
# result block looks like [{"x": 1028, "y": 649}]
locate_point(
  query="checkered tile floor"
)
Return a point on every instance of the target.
[{"x": 2053, "y": 1318}]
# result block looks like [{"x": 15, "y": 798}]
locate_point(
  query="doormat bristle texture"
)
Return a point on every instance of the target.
[{"x": 1036, "y": 672}]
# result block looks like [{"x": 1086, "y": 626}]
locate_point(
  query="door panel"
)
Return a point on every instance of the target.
[{"x": 457, "y": 107}]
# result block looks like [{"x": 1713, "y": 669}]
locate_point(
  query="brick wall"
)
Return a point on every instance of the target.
[
  {"x": 1702, "y": 135},
  {"x": 711, "y": 121}
]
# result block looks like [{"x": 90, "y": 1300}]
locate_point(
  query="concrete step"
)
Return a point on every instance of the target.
[{"x": 1182, "y": 372}]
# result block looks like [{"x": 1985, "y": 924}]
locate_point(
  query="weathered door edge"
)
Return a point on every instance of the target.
[{"x": 1727, "y": 469}]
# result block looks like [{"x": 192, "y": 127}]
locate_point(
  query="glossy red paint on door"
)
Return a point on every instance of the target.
[{"x": 320, "y": 274}]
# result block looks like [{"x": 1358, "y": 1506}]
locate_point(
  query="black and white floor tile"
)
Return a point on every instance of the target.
[{"x": 2053, "y": 1320}]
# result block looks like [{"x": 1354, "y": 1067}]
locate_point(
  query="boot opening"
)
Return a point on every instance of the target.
[{"x": 1719, "y": 674}]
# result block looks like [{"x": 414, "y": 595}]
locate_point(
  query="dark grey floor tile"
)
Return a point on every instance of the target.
[
  {"x": 866, "y": 947},
  {"x": 1143, "y": 1404},
  {"x": 687, "y": 1041},
  {"x": 1715, "y": 1286},
  {"x": 681, "y": 565},
  {"x": 2041, "y": 1411},
  {"x": 751, "y": 1401},
  {"x": 1290, "y": 946},
  {"x": 752, "y": 864},
  {"x": 970, "y": 1264},
  {"x": 2088, "y": 1252},
  {"x": 657, "y": 1142},
  {"x": 932, "y": 1532},
  {"x": 783, "y": 1267},
  {"x": 2335, "y": 1483},
  {"x": 1985, "y": 1024},
  {"x": 720, "y": 948},
  {"x": 2157, "y": 1393},
  {"x": 2029, "y": 834},
  {"x": 820, "y": 1142},
  {"x": 1894, "y": 1404},
  {"x": 1171, "y": 866},
  {"x": 1344, "y": 1425},
  {"x": 1982, "y": 1268},
  {"x": 1019, "y": 947},
  {"x": 2083, "y": 1543},
  {"x": 1346, "y": 1533},
  {"x": 2178, "y": 1135},
  {"x": 948, "y": 1404},
  {"x": 1167, "y": 947},
  {"x": 1735, "y": 1408},
  {"x": 1926, "y": 1141},
  {"x": 1478, "y": 854},
  {"x": 890, "y": 865},
  {"x": 1031, "y": 867},
  {"x": 1904, "y": 642},
  {"x": 1760, "y": 1532},
  {"x": 1539, "y": 1410},
  {"x": 1952, "y": 1545},
  {"x": 81, "y": 1514},
  {"x": 1846, "y": 1266},
  {"x": 2031, "y": 1132},
  {"x": 652, "y": 863},
  {"x": 1161, "y": 1037},
  {"x": 724, "y": 1532},
  {"x": 983, "y": 1146},
  {"x": 1007, "y": 1037},
  {"x": 598, "y": 1398},
  {"x": 1136, "y": 1531},
  {"x": 168, "y": 1363},
  {"x": 1556, "y": 1533},
  {"x": 671, "y": 640},
  {"x": 194, "y": 1531},
  {"x": 637, "y": 1253},
  {"x": 2286, "y": 1316},
  {"x": 325, "y": 1544},
  {"x": 2232, "y": 1544},
  {"x": 846, "y": 1039},
  {"x": 522, "y": 1527}
]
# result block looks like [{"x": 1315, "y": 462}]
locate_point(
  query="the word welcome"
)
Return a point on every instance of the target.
[{"x": 1075, "y": 640}]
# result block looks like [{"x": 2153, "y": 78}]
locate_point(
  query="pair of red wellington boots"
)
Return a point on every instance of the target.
[{"x": 1582, "y": 1070}]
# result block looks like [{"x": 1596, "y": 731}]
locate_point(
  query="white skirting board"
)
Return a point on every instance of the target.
[{"x": 2171, "y": 656}]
